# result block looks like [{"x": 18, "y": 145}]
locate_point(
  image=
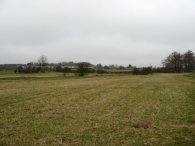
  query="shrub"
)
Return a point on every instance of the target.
[
  {"x": 142, "y": 71},
  {"x": 101, "y": 71}
]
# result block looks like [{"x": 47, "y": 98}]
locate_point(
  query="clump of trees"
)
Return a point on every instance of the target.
[
  {"x": 177, "y": 62},
  {"x": 31, "y": 67},
  {"x": 101, "y": 71},
  {"x": 59, "y": 68},
  {"x": 142, "y": 71},
  {"x": 84, "y": 68},
  {"x": 81, "y": 68},
  {"x": 4, "y": 67},
  {"x": 64, "y": 70}
]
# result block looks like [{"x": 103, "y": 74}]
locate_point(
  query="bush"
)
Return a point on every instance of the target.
[
  {"x": 83, "y": 68},
  {"x": 28, "y": 69},
  {"x": 101, "y": 71},
  {"x": 59, "y": 68},
  {"x": 66, "y": 70},
  {"x": 142, "y": 71}
]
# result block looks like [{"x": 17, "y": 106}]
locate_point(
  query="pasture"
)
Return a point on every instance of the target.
[{"x": 49, "y": 109}]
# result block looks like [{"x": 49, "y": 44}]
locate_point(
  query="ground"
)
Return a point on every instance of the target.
[{"x": 49, "y": 109}]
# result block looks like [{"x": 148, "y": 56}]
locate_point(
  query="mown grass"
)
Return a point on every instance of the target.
[{"x": 156, "y": 109}]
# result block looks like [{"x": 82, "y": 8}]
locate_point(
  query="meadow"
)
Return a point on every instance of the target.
[{"x": 50, "y": 109}]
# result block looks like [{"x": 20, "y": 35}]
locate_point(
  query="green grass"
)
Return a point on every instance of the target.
[
  {"x": 49, "y": 109},
  {"x": 10, "y": 74}
]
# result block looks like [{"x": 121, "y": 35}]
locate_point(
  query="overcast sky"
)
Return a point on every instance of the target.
[{"x": 137, "y": 32}]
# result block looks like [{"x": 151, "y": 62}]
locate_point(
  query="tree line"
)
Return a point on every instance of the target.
[
  {"x": 177, "y": 62},
  {"x": 174, "y": 63}
]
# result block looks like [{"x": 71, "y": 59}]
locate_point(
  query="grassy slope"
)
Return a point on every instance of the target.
[{"x": 116, "y": 110}]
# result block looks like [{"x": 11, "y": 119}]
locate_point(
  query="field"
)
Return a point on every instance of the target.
[{"x": 49, "y": 109}]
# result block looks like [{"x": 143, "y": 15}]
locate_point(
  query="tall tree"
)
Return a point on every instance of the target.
[
  {"x": 173, "y": 62},
  {"x": 43, "y": 60},
  {"x": 188, "y": 60}
]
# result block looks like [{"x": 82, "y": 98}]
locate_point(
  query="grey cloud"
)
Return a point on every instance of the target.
[{"x": 139, "y": 32}]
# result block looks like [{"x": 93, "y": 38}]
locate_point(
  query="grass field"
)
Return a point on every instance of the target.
[{"x": 48, "y": 109}]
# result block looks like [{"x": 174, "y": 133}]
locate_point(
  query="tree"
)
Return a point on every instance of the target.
[
  {"x": 121, "y": 67},
  {"x": 129, "y": 66},
  {"x": 59, "y": 68},
  {"x": 173, "y": 62},
  {"x": 142, "y": 71},
  {"x": 43, "y": 60},
  {"x": 106, "y": 67},
  {"x": 188, "y": 60},
  {"x": 194, "y": 64},
  {"x": 35, "y": 69},
  {"x": 83, "y": 68},
  {"x": 28, "y": 69},
  {"x": 66, "y": 70},
  {"x": 99, "y": 67},
  {"x": 15, "y": 71},
  {"x": 147, "y": 70},
  {"x": 20, "y": 69},
  {"x": 135, "y": 71},
  {"x": 101, "y": 71}
]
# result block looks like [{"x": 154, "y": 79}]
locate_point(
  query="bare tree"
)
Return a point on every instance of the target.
[{"x": 43, "y": 60}]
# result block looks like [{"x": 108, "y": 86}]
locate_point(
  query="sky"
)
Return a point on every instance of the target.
[{"x": 137, "y": 32}]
